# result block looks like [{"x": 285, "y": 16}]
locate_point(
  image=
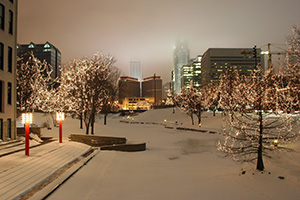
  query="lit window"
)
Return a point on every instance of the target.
[
  {"x": 47, "y": 46},
  {"x": 31, "y": 46}
]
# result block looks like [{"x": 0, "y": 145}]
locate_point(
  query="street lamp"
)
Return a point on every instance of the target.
[
  {"x": 27, "y": 120},
  {"x": 275, "y": 143},
  {"x": 60, "y": 116}
]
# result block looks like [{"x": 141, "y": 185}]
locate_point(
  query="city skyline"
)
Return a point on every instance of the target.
[{"x": 147, "y": 30}]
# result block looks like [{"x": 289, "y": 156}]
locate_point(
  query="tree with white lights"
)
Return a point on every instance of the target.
[
  {"x": 190, "y": 101},
  {"x": 170, "y": 98},
  {"x": 211, "y": 96},
  {"x": 89, "y": 85},
  {"x": 260, "y": 115},
  {"x": 33, "y": 83}
]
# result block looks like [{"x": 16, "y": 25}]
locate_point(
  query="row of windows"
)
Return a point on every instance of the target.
[
  {"x": 10, "y": 19},
  {"x": 9, "y": 128},
  {"x": 9, "y": 95},
  {"x": 9, "y": 58}
]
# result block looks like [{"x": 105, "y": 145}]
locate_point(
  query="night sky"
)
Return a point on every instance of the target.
[{"x": 146, "y": 30}]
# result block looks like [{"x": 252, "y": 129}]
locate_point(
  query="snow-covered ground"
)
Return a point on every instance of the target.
[{"x": 176, "y": 165}]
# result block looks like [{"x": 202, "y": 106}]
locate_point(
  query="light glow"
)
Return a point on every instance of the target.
[
  {"x": 26, "y": 118},
  {"x": 60, "y": 116}
]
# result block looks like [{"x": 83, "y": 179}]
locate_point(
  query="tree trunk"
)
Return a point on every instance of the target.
[
  {"x": 192, "y": 119},
  {"x": 199, "y": 118},
  {"x": 81, "y": 123},
  {"x": 87, "y": 129},
  {"x": 92, "y": 124},
  {"x": 260, "y": 163},
  {"x": 105, "y": 115}
]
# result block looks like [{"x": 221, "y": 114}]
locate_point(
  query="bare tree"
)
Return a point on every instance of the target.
[{"x": 108, "y": 103}]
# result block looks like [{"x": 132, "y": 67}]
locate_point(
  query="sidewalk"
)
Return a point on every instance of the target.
[{"x": 19, "y": 174}]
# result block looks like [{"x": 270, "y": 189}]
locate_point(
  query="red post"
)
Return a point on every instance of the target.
[
  {"x": 27, "y": 139},
  {"x": 60, "y": 131}
]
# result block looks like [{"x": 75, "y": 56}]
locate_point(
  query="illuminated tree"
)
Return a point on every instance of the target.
[
  {"x": 261, "y": 111},
  {"x": 211, "y": 96},
  {"x": 33, "y": 83},
  {"x": 293, "y": 52},
  {"x": 190, "y": 101},
  {"x": 170, "y": 98},
  {"x": 89, "y": 85}
]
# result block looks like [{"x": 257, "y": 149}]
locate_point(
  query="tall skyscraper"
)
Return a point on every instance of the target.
[
  {"x": 191, "y": 73},
  {"x": 136, "y": 70},
  {"x": 181, "y": 57}
]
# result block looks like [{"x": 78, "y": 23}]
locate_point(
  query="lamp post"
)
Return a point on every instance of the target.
[
  {"x": 27, "y": 120},
  {"x": 60, "y": 116}
]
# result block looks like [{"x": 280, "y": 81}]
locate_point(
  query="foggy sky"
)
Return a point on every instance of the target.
[{"x": 147, "y": 30}]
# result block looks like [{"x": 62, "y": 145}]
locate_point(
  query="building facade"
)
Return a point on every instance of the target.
[
  {"x": 215, "y": 61},
  {"x": 8, "y": 43},
  {"x": 128, "y": 87},
  {"x": 47, "y": 52},
  {"x": 137, "y": 103},
  {"x": 181, "y": 57},
  {"x": 191, "y": 73},
  {"x": 152, "y": 87}
]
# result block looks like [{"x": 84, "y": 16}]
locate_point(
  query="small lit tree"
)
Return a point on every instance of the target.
[{"x": 190, "y": 101}]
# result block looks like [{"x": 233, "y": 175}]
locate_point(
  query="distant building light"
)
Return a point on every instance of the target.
[
  {"x": 265, "y": 52},
  {"x": 47, "y": 46}
]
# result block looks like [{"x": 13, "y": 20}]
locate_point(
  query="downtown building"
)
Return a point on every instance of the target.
[
  {"x": 128, "y": 87},
  {"x": 47, "y": 52},
  {"x": 191, "y": 73},
  {"x": 216, "y": 61},
  {"x": 181, "y": 56},
  {"x": 129, "y": 93},
  {"x": 152, "y": 87},
  {"x": 8, "y": 43}
]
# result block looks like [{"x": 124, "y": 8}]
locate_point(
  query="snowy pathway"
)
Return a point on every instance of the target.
[{"x": 15, "y": 180}]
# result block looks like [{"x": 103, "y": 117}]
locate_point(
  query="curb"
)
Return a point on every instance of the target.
[{"x": 50, "y": 175}]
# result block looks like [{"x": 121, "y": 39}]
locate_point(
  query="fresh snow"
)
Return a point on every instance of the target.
[{"x": 176, "y": 165}]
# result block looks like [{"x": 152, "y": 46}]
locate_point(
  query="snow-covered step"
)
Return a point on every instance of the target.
[{"x": 36, "y": 168}]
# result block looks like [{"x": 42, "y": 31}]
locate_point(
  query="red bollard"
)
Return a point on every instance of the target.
[
  {"x": 60, "y": 131},
  {"x": 27, "y": 139}
]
